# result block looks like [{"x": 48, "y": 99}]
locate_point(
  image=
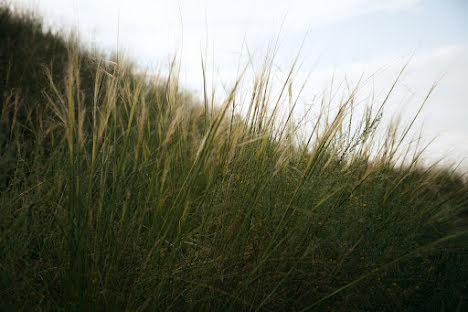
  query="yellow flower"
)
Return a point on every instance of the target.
[
  {"x": 394, "y": 284},
  {"x": 416, "y": 287},
  {"x": 364, "y": 205}
]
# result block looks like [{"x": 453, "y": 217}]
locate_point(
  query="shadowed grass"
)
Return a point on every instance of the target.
[{"x": 122, "y": 193}]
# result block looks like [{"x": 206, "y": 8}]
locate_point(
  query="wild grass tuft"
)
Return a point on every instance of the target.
[{"x": 120, "y": 192}]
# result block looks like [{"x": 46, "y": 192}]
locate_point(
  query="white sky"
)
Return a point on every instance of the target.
[{"x": 345, "y": 37}]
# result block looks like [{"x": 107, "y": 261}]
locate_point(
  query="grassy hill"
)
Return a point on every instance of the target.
[{"x": 118, "y": 192}]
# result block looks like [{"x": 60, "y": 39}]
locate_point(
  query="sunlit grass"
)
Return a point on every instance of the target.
[{"x": 121, "y": 193}]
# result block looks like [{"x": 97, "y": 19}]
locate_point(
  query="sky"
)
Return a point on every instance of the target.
[{"x": 340, "y": 38}]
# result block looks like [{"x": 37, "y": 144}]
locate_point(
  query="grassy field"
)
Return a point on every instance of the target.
[{"x": 120, "y": 192}]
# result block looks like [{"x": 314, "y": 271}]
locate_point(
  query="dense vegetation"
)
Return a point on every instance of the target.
[{"x": 119, "y": 192}]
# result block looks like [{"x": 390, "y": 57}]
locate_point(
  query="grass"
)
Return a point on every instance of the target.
[{"x": 119, "y": 192}]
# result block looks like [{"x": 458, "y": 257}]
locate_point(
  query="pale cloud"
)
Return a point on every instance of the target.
[{"x": 226, "y": 21}]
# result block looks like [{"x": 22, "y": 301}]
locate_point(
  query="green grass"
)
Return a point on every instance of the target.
[{"x": 119, "y": 192}]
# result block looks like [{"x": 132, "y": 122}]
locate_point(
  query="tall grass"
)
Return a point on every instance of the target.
[{"x": 122, "y": 193}]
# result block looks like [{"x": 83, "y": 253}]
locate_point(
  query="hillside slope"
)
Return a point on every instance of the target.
[{"x": 118, "y": 192}]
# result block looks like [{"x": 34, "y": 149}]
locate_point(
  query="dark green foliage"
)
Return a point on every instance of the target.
[{"x": 120, "y": 193}]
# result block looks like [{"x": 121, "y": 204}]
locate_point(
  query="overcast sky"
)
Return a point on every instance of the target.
[{"x": 344, "y": 37}]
